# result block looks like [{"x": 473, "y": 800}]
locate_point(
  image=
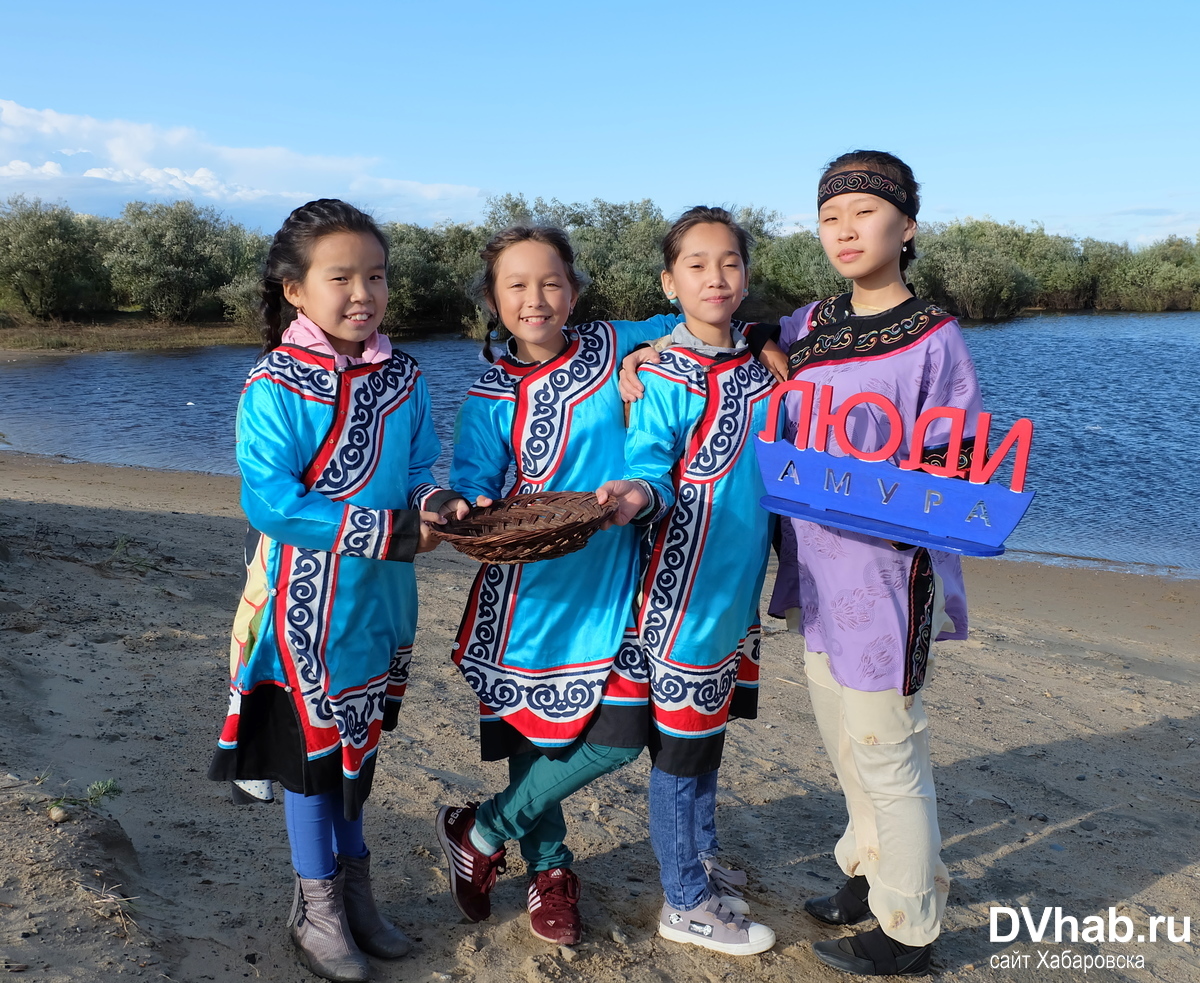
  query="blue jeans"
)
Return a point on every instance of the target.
[
  {"x": 683, "y": 832},
  {"x": 317, "y": 829},
  {"x": 530, "y": 809}
]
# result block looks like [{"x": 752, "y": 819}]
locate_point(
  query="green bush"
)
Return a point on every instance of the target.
[
  {"x": 178, "y": 260},
  {"x": 792, "y": 270},
  {"x": 240, "y": 299},
  {"x": 428, "y": 273},
  {"x": 968, "y": 269},
  {"x": 167, "y": 258},
  {"x": 620, "y": 247},
  {"x": 49, "y": 259},
  {"x": 1162, "y": 277}
]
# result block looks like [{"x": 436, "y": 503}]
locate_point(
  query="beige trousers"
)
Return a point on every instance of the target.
[{"x": 879, "y": 746}]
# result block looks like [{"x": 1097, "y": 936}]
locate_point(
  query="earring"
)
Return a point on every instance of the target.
[{"x": 745, "y": 291}]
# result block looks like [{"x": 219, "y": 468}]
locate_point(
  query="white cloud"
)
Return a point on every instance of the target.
[
  {"x": 23, "y": 169},
  {"x": 110, "y": 160},
  {"x": 163, "y": 180}
]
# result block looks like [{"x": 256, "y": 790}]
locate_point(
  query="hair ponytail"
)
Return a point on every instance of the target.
[
  {"x": 290, "y": 255},
  {"x": 495, "y": 332},
  {"x": 270, "y": 305}
]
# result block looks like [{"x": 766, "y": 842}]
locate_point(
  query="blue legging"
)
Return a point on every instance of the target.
[{"x": 317, "y": 829}]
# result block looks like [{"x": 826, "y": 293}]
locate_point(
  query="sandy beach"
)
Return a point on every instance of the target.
[{"x": 1065, "y": 733}]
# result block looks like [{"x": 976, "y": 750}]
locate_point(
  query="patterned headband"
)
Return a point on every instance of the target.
[{"x": 867, "y": 183}]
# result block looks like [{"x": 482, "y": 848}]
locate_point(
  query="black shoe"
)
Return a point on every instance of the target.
[
  {"x": 846, "y": 907},
  {"x": 874, "y": 954}
]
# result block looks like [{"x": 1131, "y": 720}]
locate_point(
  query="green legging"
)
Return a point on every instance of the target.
[{"x": 530, "y": 809}]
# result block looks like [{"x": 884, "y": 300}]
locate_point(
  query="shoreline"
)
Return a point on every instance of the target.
[
  {"x": 1061, "y": 560},
  {"x": 98, "y": 338},
  {"x": 1063, "y": 731}
]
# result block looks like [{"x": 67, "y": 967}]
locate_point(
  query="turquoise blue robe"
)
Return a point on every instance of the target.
[
  {"x": 335, "y": 464},
  {"x": 690, "y": 440},
  {"x": 546, "y": 646}
]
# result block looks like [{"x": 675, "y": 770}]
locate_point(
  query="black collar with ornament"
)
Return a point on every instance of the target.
[{"x": 837, "y": 334}]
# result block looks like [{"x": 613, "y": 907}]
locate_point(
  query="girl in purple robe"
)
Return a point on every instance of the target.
[{"x": 869, "y": 608}]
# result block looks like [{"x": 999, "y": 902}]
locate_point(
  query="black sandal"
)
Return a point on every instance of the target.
[
  {"x": 846, "y": 907},
  {"x": 873, "y": 953}
]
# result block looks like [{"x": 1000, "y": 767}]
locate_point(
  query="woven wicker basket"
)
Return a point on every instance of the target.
[{"x": 526, "y": 528}]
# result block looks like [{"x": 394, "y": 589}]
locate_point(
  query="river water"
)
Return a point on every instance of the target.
[{"x": 1114, "y": 399}]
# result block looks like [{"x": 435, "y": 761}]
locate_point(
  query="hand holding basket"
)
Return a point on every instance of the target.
[{"x": 527, "y": 528}]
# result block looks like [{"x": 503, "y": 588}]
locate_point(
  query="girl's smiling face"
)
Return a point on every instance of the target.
[
  {"x": 708, "y": 277},
  {"x": 533, "y": 297},
  {"x": 345, "y": 290},
  {"x": 863, "y": 235}
]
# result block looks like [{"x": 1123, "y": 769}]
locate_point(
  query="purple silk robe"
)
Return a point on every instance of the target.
[{"x": 865, "y": 603}]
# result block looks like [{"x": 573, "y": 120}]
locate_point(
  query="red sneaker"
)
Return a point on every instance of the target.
[
  {"x": 472, "y": 874},
  {"x": 554, "y": 906}
]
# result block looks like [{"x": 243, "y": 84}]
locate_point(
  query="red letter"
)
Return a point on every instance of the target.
[
  {"x": 1021, "y": 434},
  {"x": 826, "y": 418},
  {"x": 805, "y": 389},
  {"x": 916, "y": 450},
  {"x": 895, "y": 427}
]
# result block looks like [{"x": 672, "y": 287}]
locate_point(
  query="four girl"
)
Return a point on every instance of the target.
[
  {"x": 690, "y": 469},
  {"x": 869, "y": 608},
  {"x": 547, "y": 647},
  {"x": 578, "y": 662},
  {"x": 334, "y": 442}
]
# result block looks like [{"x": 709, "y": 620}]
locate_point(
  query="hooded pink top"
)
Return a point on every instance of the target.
[{"x": 307, "y": 334}]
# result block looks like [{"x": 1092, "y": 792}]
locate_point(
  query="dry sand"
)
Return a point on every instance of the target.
[{"x": 1064, "y": 734}]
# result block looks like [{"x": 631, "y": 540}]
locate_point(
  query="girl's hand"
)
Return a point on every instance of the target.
[
  {"x": 459, "y": 508},
  {"x": 773, "y": 359},
  {"x": 482, "y": 501},
  {"x": 631, "y": 499},
  {"x": 429, "y": 539},
  {"x": 627, "y": 380}
]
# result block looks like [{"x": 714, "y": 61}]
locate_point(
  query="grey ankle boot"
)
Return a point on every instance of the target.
[
  {"x": 373, "y": 933},
  {"x": 321, "y": 933}
]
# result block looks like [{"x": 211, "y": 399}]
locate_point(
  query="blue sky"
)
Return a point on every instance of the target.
[{"x": 1079, "y": 115}]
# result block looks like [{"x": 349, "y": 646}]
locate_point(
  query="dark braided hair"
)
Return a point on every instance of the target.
[
  {"x": 893, "y": 167},
  {"x": 556, "y": 239},
  {"x": 291, "y": 252}
]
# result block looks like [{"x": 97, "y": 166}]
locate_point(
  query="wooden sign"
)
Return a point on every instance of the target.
[{"x": 941, "y": 507}]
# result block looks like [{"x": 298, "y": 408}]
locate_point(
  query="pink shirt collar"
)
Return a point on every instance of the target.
[{"x": 306, "y": 334}]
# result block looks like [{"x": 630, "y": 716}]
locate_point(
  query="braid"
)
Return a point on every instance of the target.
[
  {"x": 289, "y": 257},
  {"x": 271, "y": 305},
  {"x": 497, "y": 332}
]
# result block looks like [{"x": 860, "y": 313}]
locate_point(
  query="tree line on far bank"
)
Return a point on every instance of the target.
[{"x": 181, "y": 261}]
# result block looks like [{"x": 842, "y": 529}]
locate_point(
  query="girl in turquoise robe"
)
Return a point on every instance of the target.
[
  {"x": 334, "y": 443},
  {"x": 691, "y": 469},
  {"x": 547, "y": 647}
]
